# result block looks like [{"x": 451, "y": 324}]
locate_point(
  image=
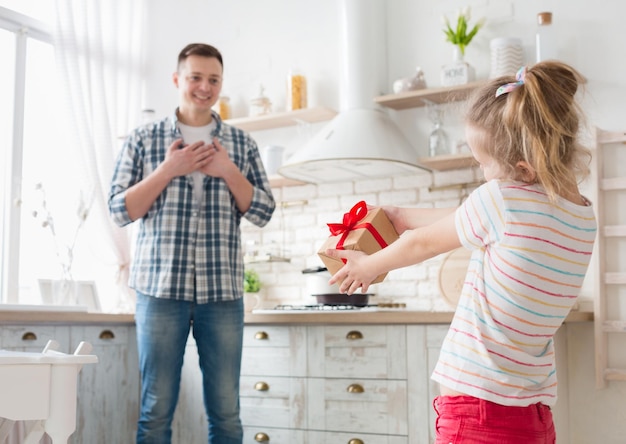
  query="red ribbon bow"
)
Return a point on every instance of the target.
[{"x": 350, "y": 222}]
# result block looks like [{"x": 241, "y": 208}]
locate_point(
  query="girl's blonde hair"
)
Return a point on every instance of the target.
[{"x": 538, "y": 122}]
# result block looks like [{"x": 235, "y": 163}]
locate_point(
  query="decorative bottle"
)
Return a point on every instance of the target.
[{"x": 545, "y": 42}]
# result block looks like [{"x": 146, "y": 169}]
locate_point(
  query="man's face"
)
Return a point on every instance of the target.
[{"x": 199, "y": 83}]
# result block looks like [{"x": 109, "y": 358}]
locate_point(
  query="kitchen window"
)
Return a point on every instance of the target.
[{"x": 31, "y": 133}]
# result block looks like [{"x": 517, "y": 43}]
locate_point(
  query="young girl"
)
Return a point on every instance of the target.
[{"x": 531, "y": 234}]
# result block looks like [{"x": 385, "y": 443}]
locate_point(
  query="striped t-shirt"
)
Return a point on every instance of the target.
[{"x": 529, "y": 259}]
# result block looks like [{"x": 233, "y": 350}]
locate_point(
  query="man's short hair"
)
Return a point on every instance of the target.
[{"x": 200, "y": 49}]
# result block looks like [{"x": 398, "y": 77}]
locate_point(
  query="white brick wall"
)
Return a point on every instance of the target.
[{"x": 298, "y": 229}]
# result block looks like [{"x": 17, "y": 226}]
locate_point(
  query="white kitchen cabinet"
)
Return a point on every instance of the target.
[
  {"x": 272, "y": 393},
  {"x": 273, "y": 384},
  {"x": 108, "y": 392},
  {"x": 321, "y": 384},
  {"x": 357, "y": 379}
]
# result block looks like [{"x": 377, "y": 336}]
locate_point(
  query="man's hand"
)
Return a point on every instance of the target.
[
  {"x": 182, "y": 161},
  {"x": 218, "y": 163}
]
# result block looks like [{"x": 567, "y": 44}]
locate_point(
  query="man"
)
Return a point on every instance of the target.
[{"x": 189, "y": 179}]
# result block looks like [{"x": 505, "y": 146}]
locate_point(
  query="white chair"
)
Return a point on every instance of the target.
[{"x": 40, "y": 388}]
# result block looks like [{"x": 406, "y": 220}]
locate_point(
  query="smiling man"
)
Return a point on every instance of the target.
[{"x": 188, "y": 179}]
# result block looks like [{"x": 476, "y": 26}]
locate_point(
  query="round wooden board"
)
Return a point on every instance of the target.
[{"x": 452, "y": 274}]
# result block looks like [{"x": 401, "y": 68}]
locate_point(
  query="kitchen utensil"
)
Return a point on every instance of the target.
[
  {"x": 452, "y": 274},
  {"x": 356, "y": 299}
]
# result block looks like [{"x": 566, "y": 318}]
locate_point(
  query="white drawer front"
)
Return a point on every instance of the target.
[
  {"x": 256, "y": 435},
  {"x": 273, "y": 402},
  {"x": 266, "y": 336},
  {"x": 349, "y": 438},
  {"x": 361, "y": 351},
  {"x": 365, "y": 406},
  {"x": 274, "y": 351},
  {"x": 33, "y": 338}
]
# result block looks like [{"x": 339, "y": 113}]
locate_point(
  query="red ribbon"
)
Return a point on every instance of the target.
[{"x": 351, "y": 222}]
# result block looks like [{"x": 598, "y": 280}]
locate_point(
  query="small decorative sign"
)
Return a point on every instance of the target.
[{"x": 457, "y": 73}]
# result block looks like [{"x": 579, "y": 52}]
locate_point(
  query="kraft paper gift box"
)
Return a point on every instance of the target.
[{"x": 361, "y": 230}]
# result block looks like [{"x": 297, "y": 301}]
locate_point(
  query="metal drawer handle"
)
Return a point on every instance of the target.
[
  {"x": 107, "y": 334},
  {"x": 261, "y": 336},
  {"x": 355, "y": 388},
  {"x": 354, "y": 335},
  {"x": 261, "y": 437},
  {"x": 29, "y": 336},
  {"x": 355, "y": 441},
  {"x": 261, "y": 386}
]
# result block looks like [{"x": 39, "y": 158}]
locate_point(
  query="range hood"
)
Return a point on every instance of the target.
[{"x": 361, "y": 141}]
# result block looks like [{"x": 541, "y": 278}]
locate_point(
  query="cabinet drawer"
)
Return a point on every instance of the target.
[
  {"x": 351, "y": 438},
  {"x": 362, "y": 351},
  {"x": 103, "y": 336},
  {"x": 364, "y": 406},
  {"x": 273, "y": 401},
  {"x": 256, "y": 435},
  {"x": 274, "y": 351},
  {"x": 33, "y": 338},
  {"x": 267, "y": 336}
]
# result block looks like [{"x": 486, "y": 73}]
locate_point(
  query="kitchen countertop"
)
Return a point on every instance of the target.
[{"x": 386, "y": 316}]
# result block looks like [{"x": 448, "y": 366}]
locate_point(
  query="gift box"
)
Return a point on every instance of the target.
[{"x": 361, "y": 230}]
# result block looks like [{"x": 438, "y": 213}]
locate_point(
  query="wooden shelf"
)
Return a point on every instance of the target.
[
  {"x": 447, "y": 162},
  {"x": 279, "y": 120},
  {"x": 422, "y": 97}
]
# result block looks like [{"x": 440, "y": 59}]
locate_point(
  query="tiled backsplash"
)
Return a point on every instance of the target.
[{"x": 298, "y": 228}]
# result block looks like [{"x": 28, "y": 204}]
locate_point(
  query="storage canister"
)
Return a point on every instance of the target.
[{"x": 296, "y": 91}]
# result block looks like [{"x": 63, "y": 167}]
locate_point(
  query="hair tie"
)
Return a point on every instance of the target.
[{"x": 507, "y": 88}]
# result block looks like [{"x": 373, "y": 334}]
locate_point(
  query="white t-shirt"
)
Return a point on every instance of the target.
[
  {"x": 529, "y": 259},
  {"x": 192, "y": 134}
]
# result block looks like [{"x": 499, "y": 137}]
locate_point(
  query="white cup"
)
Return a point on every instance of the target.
[{"x": 272, "y": 157}]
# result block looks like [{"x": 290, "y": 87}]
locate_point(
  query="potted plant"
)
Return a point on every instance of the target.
[
  {"x": 251, "y": 289},
  {"x": 459, "y": 72},
  {"x": 460, "y": 36}
]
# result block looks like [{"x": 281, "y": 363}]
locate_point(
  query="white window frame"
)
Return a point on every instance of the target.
[{"x": 23, "y": 27}]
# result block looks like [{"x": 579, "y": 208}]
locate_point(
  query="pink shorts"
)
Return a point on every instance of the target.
[{"x": 469, "y": 420}]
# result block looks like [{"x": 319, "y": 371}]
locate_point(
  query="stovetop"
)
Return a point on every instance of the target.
[{"x": 325, "y": 308}]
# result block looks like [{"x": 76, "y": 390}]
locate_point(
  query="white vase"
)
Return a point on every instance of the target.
[
  {"x": 459, "y": 72},
  {"x": 251, "y": 301}
]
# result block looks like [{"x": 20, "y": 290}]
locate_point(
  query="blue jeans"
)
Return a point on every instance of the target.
[{"x": 163, "y": 326}]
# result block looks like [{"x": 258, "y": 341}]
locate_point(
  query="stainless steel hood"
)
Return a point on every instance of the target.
[{"x": 361, "y": 141}]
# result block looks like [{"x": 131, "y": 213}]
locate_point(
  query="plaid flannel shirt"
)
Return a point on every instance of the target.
[{"x": 185, "y": 251}]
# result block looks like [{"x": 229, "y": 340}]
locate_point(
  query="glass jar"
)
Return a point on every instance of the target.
[
  {"x": 261, "y": 105},
  {"x": 296, "y": 91},
  {"x": 223, "y": 107}
]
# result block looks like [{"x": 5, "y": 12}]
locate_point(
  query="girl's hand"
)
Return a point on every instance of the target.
[{"x": 358, "y": 272}]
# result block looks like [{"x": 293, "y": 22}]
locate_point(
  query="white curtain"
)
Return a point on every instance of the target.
[{"x": 99, "y": 57}]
